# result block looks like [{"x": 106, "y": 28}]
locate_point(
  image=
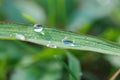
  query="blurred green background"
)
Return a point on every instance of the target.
[{"x": 27, "y": 61}]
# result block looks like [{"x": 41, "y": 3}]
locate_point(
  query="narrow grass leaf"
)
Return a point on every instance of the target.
[
  {"x": 58, "y": 58},
  {"x": 54, "y": 38},
  {"x": 74, "y": 66}
]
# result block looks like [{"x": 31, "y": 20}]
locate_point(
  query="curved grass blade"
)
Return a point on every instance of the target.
[{"x": 56, "y": 38}]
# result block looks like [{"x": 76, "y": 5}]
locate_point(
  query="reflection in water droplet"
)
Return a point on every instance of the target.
[
  {"x": 68, "y": 42},
  {"x": 38, "y": 28},
  {"x": 20, "y": 36},
  {"x": 51, "y": 45}
]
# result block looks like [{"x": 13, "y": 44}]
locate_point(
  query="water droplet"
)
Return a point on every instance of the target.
[
  {"x": 20, "y": 36},
  {"x": 51, "y": 45},
  {"x": 68, "y": 42},
  {"x": 38, "y": 28}
]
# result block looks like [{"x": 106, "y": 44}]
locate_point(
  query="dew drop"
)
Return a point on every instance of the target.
[
  {"x": 38, "y": 28},
  {"x": 68, "y": 42},
  {"x": 51, "y": 45},
  {"x": 20, "y": 36}
]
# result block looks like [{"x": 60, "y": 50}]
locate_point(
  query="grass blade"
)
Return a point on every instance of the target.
[
  {"x": 56, "y": 38},
  {"x": 74, "y": 66}
]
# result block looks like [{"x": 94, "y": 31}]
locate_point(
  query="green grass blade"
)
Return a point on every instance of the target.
[
  {"x": 74, "y": 66},
  {"x": 3, "y": 64},
  {"x": 66, "y": 67},
  {"x": 56, "y": 38}
]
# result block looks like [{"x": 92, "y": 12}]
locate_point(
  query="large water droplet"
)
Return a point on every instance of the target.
[
  {"x": 38, "y": 28},
  {"x": 68, "y": 42},
  {"x": 51, "y": 45},
  {"x": 20, "y": 36}
]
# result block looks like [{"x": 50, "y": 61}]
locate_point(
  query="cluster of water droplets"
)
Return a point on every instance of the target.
[
  {"x": 51, "y": 45},
  {"x": 39, "y": 28},
  {"x": 68, "y": 42},
  {"x": 65, "y": 41}
]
